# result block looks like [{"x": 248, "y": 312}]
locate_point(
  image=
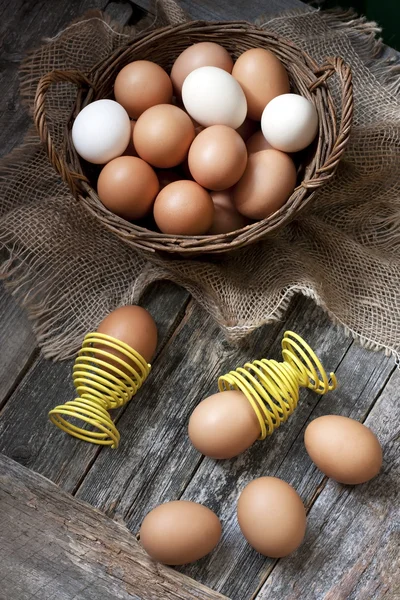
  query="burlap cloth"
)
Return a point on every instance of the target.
[{"x": 69, "y": 272}]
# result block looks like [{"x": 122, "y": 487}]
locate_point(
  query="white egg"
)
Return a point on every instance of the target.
[
  {"x": 101, "y": 131},
  {"x": 213, "y": 97},
  {"x": 289, "y": 122}
]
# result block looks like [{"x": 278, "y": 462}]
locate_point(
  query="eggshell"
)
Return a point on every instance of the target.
[
  {"x": 184, "y": 208},
  {"x": 271, "y": 516},
  {"x": 256, "y": 143},
  {"x": 128, "y": 186},
  {"x": 248, "y": 128},
  {"x": 268, "y": 181},
  {"x": 204, "y": 54},
  {"x": 162, "y": 135},
  {"x": 262, "y": 76},
  {"x": 226, "y": 217},
  {"x": 179, "y": 532},
  {"x": 289, "y": 122},
  {"x": 140, "y": 85},
  {"x": 101, "y": 131},
  {"x": 343, "y": 449},
  {"x": 212, "y": 96},
  {"x": 217, "y": 157},
  {"x": 134, "y": 326},
  {"x": 223, "y": 425}
]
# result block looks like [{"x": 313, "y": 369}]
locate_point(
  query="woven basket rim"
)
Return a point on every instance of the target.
[{"x": 305, "y": 75}]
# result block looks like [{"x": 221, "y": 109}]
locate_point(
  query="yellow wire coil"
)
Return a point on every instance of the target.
[
  {"x": 103, "y": 381},
  {"x": 273, "y": 387}
]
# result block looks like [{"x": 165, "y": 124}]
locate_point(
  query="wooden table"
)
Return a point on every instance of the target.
[{"x": 55, "y": 545}]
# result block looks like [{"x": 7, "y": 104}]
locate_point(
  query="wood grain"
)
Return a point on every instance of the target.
[
  {"x": 22, "y": 25},
  {"x": 361, "y": 377},
  {"x": 54, "y": 546},
  {"x": 26, "y": 434},
  {"x": 352, "y": 546},
  {"x": 233, "y": 10},
  {"x": 17, "y": 343},
  {"x": 125, "y": 485}
]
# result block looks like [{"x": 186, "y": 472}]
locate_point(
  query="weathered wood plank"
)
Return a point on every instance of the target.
[
  {"x": 352, "y": 546},
  {"x": 54, "y": 546},
  {"x": 154, "y": 429},
  {"x": 18, "y": 346},
  {"x": 214, "y": 10},
  {"x": 124, "y": 484},
  {"x": 361, "y": 375},
  {"x": 22, "y": 25},
  {"x": 26, "y": 434}
]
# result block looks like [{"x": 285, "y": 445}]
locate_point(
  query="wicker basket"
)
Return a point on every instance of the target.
[{"x": 163, "y": 46}]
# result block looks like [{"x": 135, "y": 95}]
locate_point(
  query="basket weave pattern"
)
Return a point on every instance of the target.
[{"x": 163, "y": 46}]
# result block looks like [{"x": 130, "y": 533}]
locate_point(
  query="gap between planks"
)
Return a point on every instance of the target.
[
  {"x": 177, "y": 323},
  {"x": 319, "y": 488}
]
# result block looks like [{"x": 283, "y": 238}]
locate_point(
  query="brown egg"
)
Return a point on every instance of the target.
[
  {"x": 247, "y": 129},
  {"x": 343, "y": 449},
  {"x": 226, "y": 217},
  {"x": 262, "y": 77},
  {"x": 180, "y": 532},
  {"x": 130, "y": 150},
  {"x": 224, "y": 425},
  {"x": 134, "y": 326},
  {"x": 271, "y": 516},
  {"x": 166, "y": 176},
  {"x": 128, "y": 186},
  {"x": 204, "y": 54},
  {"x": 256, "y": 143},
  {"x": 140, "y": 85},
  {"x": 163, "y": 135},
  {"x": 268, "y": 181},
  {"x": 184, "y": 208},
  {"x": 217, "y": 157}
]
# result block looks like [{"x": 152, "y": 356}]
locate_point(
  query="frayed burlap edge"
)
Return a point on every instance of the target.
[{"x": 31, "y": 294}]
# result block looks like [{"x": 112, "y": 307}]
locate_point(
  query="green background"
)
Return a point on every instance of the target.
[{"x": 385, "y": 12}]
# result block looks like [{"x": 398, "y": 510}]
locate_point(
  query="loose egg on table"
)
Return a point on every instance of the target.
[
  {"x": 271, "y": 516},
  {"x": 343, "y": 449},
  {"x": 162, "y": 135},
  {"x": 224, "y": 425},
  {"x": 203, "y": 54},
  {"x": 128, "y": 186},
  {"x": 179, "y": 532},
  {"x": 289, "y": 122},
  {"x": 262, "y": 77},
  {"x": 217, "y": 157},
  {"x": 212, "y": 96},
  {"x": 268, "y": 181},
  {"x": 101, "y": 131},
  {"x": 226, "y": 217},
  {"x": 184, "y": 208},
  {"x": 140, "y": 85}
]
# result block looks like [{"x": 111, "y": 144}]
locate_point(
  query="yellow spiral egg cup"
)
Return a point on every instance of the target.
[
  {"x": 103, "y": 381},
  {"x": 273, "y": 387}
]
